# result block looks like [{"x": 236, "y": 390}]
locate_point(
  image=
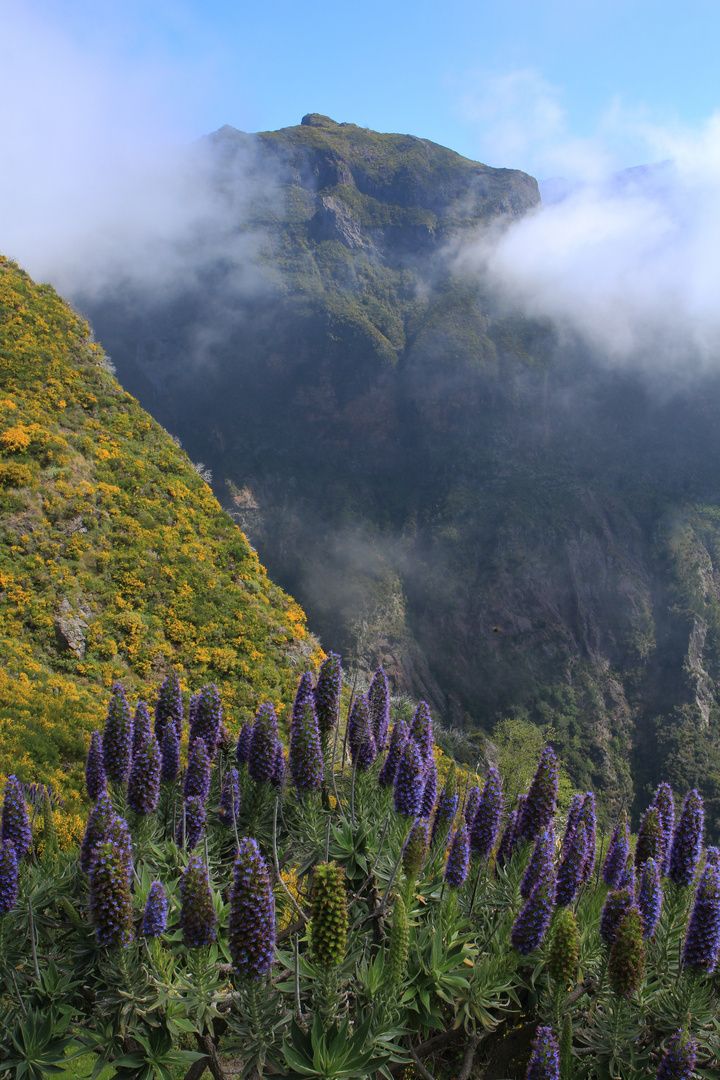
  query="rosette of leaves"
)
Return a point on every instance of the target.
[
  {"x": 197, "y": 912},
  {"x": 409, "y": 781},
  {"x": 650, "y": 897},
  {"x": 143, "y": 789},
  {"x": 110, "y": 903},
  {"x": 327, "y": 695},
  {"x": 8, "y": 876},
  {"x": 541, "y": 862},
  {"x": 197, "y": 777},
  {"x": 328, "y": 915},
  {"x": 687, "y": 840},
  {"x": 538, "y": 808},
  {"x": 486, "y": 823},
  {"x": 627, "y": 955},
  {"x": 458, "y": 860},
  {"x": 207, "y": 719},
  {"x": 305, "y": 761},
  {"x": 141, "y": 726},
  {"x": 15, "y": 823},
  {"x": 421, "y": 730},
  {"x": 545, "y": 1059},
  {"x": 229, "y": 798},
  {"x": 564, "y": 949},
  {"x": 379, "y": 705},
  {"x": 664, "y": 803},
  {"x": 251, "y": 929},
  {"x": 263, "y": 743},
  {"x": 532, "y": 923},
  {"x": 95, "y": 778},
  {"x": 154, "y": 922},
  {"x": 118, "y": 737},
  {"x": 169, "y": 707},
  {"x": 617, "y": 855},
  {"x": 702, "y": 942},
  {"x": 398, "y": 738},
  {"x": 649, "y": 841}
]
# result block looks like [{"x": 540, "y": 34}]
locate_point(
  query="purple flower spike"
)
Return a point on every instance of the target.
[
  {"x": 363, "y": 750},
  {"x": 305, "y": 760},
  {"x": 154, "y": 922},
  {"x": 409, "y": 781},
  {"x": 197, "y": 777},
  {"x": 687, "y": 840},
  {"x": 507, "y": 842},
  {"x": 702, "y": 943},
  {"x": 589, "y": 819},
  {"x": 712, "y": 856},
  {"x": 192, "y": 821},
  {"x": 617, "y": 856},
  {"x": 541, "y": 862},
  {"x": 446, "y": 809},
  {"x": 614, "y": 911},
  {"x": 170, "y": 750},
  {"x": 118, "y": 737},
  {"x": 473, "y": 801},
  {"x": 251, "y": 930},
  {"x": 415, "y": 849},
  {"x": 280, "y": 767},
  {"x": 665, "y": 805},
  {"x": 144, "y": 781},
  {"x": 627, "y": 878},
  {"x": 398, "y": 738},
  {"x": 169, "y": 707},
  {"x": 379, "y": 703},
  {"x": 573, "y": 818},
  {"x": 429, "y": 790},
  {"x": 486, "y": 822},
  {"x": 141, "y": 726},
  {"x": 118, "y": 834},
  {"x": 15, "y": 824},
  {"x": 242, "y": 750},
  {"x": 421, "y": 730},
  {"x": 545, "y": 1060},
  {"x": 263, "y": 741},
  {"x": 110, "y": 904},
  {"x": 649, "y": 899},
  {"x": 327, "y": 695},
  {"x": 197, "y": 913},
  {"x": 649, "y": 841},
  {"x": 539, "y": 807},
  {"x": 207, "y": 719},
  {"x": 8, "y": 877},
  {"x": 95, "y": 778},
  {"x": 531, "y": 925},
  {"x": 98, "y": 823},
  {"x": 458, "y": 860},
  {"x": 229, "y": 798},
  {"x": 570, "y": 871},
  {"x": 679, "y": 1060}
]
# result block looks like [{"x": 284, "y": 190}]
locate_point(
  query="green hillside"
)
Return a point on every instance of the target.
[{"x": 116, "y": 561}]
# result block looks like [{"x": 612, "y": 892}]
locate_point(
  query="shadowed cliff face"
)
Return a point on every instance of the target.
[{"x": 449, "y": 489}]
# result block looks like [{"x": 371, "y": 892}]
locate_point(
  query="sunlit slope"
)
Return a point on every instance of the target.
[{"x": 116, "y": 561}]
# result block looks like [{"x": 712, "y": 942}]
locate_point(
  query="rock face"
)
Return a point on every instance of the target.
[
  {"x": 507, "y": 523},
  {"x": 70, "y": 628}
]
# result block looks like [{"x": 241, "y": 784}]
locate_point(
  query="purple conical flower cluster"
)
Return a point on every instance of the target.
[
  {"x": 280, "y": 766},
  {"x": 507, "y": 842},
  {"x": 95, "y": 778},
  {"x": 429, "y": 790},
  {"x": 118, "y": 737},
  {"x": 398, "y": 738},
  {"x": 702, "y": 942},
  {"x": 379, "y": 703},
  {"x": 712, "y": 856},
  {"x": 446, "y": 809},
  {"x": 141, "y": 726},
  {"x": 170, "y": 750},
  {"x": 471, "y": 805},
  {"x": 409, "y": 781},
  {"x": 263, "y": 743},
  {"x": 545, "y": 1060},
  {"x": 576, "y": 806},
  {"x": 8, "y": 876},
  {"x": 363, "y": 749},
  {"x": 665, "y": 805},
  {"x": 144, "y": 780},
  {"x": 617, "y": 855},
  {"x": 327, "y": 695},
  {"x": 614, "y": 911},
  {"x": 538, "y": 809},
  {"x": 588, "y": 818},
  {"x": 242, "y": 750},
  {"x": 207, "y": 719},
  {"x": 191, "y": 825},
  {"x": 458, "y": 860},
  {"x": 15, "y": 824},
  {"x": 110, "y": 904},
  {"x": 169, "y": 707},
  {"x": 421, "y": 730},
  {"x": 649, "y": 841},
  {"x": 627, "y": 878},
  {"x": 541, "y": 862},
  {"x": 197, "y": 777},
  {"x": 571, "y": 869},
  {"x": 197, "y": 913},
  {"x": 229, "y": 798},
  {"x": 251, "y": 928},
  {"x": 687, "y": 840},
  {"x": 531, "y": 925},
  {"x": 154, "y": 922},
  {"x": 486, "y": 823},
  {"x": 305, "y": 761},
  {"x": 679, "y": 1060},
  {"x": 649, "y": 897}
]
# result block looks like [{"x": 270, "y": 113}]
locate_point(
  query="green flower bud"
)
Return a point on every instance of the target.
[
  {"x": 415, "y": 851},
  {"x": 627, "y": 956},
  {"x": 399, "y": 944},
  {"x": 649, "y": 843},
  {"x": 329, "y": 915},
  {"x": 565, "y": 1046},
  {"x": 562, "y": 957}
]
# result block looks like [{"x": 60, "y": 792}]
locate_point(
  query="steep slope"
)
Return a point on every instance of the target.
[
  {"x": 507, "y": 523},
  {"x": 116, "y": 561}
]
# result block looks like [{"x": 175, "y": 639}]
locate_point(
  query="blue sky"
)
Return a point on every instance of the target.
[{"x": 465, "y": 74}]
